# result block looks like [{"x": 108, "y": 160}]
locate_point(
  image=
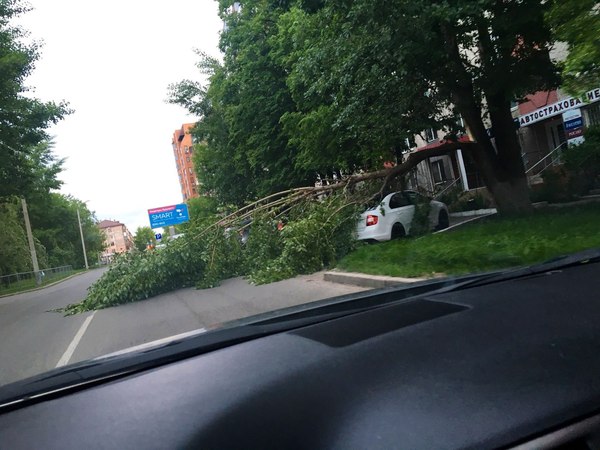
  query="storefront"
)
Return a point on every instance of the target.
[{"x": 550, "y": 120}]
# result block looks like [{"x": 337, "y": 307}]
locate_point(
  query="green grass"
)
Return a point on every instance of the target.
[
  {"x": 25, "y": 285},
  {"x": 488, "y": 244}
]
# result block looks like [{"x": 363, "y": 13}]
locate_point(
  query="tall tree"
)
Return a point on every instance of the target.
[
  {"x": 143, "y": 237},
  {"x": 309, "y": 86},
  {"x": 54, "y": 223},
  {"x": 23, "y": 119},
  {"x": 246, "y": 151},
  {"x": 410, "y": 63},
  {"x": 577, "y": 22}
]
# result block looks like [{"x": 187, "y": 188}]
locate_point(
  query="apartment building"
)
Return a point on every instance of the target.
[
  {"x": 117, "y": 239},
  {"x": 183, "y": 147}
]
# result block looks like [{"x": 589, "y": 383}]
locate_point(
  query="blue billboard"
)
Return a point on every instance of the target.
[{"x": 168, "y": 215}]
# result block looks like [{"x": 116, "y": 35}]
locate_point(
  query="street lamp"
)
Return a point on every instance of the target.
[{"x": 82, "y": 241}]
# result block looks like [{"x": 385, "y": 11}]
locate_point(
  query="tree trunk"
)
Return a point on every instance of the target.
[
  {"x": 512, "y": 189},
  {"x": 502, "y": 166}
]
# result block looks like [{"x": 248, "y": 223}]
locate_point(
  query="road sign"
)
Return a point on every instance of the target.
[
  {"x": 168, "y": 215},
  {"x": 158, "y": 236}
]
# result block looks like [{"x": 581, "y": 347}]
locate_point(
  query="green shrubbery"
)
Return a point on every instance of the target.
[
  {"x": 577, "y": 176},
  {"x": 315, "y": 235}
]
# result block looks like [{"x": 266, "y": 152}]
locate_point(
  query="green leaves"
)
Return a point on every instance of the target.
[
  {"x": 23, "y": 119},
  {"x": 577, "y": 22},
  {"x": 315, "y": 235},
  {"x": 144, "y": 236}
]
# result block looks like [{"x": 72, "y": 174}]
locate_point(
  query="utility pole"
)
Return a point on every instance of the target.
[
  {"x": 36, "y": 267},
  {"x": 82, "y": 241}
]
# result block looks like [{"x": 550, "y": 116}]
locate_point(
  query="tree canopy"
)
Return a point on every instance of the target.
[
  {"x": 143, "y": 237},
  {"x": 309, "y": 87},
  {"x": 577, "y": 22},
  {"x": 23, "y": 119}
]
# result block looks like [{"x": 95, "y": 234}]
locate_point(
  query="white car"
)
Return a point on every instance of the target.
[{"x": 391, "y": 218}]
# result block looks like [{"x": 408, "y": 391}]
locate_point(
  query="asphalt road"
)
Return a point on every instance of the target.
[{"x": 34, "y": 339}]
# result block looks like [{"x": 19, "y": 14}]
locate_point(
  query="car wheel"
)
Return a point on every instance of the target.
[
  {"x": 398, "y": 231},
  {"x": 443, "y": 220}
]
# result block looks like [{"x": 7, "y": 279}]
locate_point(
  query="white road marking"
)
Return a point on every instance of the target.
[{"x": 66, "y": 357}]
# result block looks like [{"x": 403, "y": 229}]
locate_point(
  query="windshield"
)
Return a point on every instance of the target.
[{"x": 168, "y": 168}]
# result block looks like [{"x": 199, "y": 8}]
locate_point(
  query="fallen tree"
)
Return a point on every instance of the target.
[{"x": 320, "y": 222}]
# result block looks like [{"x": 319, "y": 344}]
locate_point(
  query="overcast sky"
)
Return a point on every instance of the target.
[{"x": 112, "y": 61}]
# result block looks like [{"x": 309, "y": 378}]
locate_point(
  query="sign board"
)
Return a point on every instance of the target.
[
  {"x": 559, "y": 107},
  {"x": 158, "y": 236},
  {"x": 168, "y": 215},
  {"x": 573, "y": 124}
]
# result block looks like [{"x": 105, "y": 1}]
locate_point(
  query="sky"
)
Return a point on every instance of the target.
[{"x": 113, "y": 61}]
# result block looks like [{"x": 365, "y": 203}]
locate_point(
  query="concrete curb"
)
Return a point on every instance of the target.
[
  {"x": 365, "y": 280},
  {"x": 456, "y": 225},
  {"x": 474, "y": 212},
  {"x": 45, "y": 286}
]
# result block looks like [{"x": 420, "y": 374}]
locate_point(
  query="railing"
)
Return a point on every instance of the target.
[
  {"x": 446, "y": 189},
  {"x": 24, "y": 280},
  {"x": 543, "y": 160}
]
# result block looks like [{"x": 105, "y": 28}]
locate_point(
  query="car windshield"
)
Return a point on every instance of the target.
[{"x": 167, "y": 168}]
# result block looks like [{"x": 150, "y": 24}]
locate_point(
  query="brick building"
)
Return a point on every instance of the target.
[
  {"x": 117, "y": 239},
  {"x": 182, "y": 150}
]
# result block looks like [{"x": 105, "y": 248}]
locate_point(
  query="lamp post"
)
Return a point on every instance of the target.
[
  {"x": 34, "y": 261},
  {"x": 82, "y": 241}
]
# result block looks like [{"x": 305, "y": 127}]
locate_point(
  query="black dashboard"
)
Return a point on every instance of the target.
[{"x": 486, "y": 366}]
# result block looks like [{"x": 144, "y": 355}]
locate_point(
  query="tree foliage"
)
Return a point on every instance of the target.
[
  {"x": 315, "y": 235},
  {"x": 54, "y": 222},
  {"x": 144, "y": 236},
  {"x": 23, "y": 118},
  {"x": 316, "y": 87},
  {"x": 577, "y": 22}
]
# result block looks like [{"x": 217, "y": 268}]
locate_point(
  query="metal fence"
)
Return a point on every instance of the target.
[{"x": 15, "y": 281}]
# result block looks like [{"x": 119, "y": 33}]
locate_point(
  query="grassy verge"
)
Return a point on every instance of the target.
[
  {"x": 25, "y": 285},
  {"x": 493, "y": 243}
]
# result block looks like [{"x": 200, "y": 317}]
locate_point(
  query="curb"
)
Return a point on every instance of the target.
[
  {"x": 365, "y": 280},
  {"x": 45, "y": 286},
  {"x": 456, "y": 225},
  {"x": 474, "y": 212}
]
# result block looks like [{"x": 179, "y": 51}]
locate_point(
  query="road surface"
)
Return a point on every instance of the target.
[{"x": 34, "y": 339}]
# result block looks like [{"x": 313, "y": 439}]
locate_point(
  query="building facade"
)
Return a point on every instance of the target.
[
  {"x": 549, "y": 121},
  {"x": 117, "y": 239},
  {"x": 183, "y": 147}
]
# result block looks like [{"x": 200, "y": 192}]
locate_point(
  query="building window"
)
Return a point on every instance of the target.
[
  {"x": 430, "y": 134},
  {"x": 437, "y": 170},
  {"x": 593, "y": 115}
]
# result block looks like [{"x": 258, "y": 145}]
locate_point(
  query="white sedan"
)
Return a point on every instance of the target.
[{"x": 391, "y": 218}]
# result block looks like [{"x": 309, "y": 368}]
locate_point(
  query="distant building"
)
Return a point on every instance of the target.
[
  {"x": 182, "y": 150},
  {"x": 117, "y": 239}
]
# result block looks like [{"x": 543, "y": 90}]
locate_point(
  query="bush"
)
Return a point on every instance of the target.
[
  {"x": 583, "y": 161},
  {"x": 471, "y": 200}
]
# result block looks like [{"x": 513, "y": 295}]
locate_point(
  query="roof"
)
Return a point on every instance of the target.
[
  {"x": 109, "y": 223},
  {"x": 537, "y": 100},
  {"x": 464, "y": 138}
]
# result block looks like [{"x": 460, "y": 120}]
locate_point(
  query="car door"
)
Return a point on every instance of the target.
[
  {"x": 434, "y": 210},
  {"x": 401, "y": 210}
]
